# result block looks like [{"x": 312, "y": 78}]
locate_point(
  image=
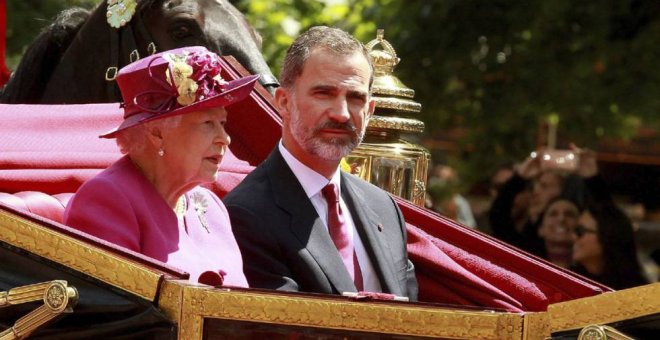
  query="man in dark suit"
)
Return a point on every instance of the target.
[{"x": 293, "y": 232}]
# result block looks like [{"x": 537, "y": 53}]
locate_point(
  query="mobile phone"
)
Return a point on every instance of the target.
[{"x": 565, "y": 160}]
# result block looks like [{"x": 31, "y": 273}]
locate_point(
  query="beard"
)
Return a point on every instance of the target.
[{"x": 331, "y": 149}]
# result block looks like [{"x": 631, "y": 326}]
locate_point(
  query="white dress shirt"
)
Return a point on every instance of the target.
[{"x": 313, "y": 182}]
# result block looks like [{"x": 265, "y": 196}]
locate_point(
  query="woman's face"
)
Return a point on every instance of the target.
[
  {"x": 544, "y": 189},
  {"x": 194, "y": 148},
  {"x": 586, "y": 247},
  {"x": 559, "y": 220}
]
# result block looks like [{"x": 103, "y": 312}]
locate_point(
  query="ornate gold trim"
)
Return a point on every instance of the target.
[
  {"x": 170, "y": 300},
  {"x": 405, "y": 105},
  {"x": 57, "y": 296},
  {"x": 598, "y": 332},
  {"x": 98, "y": 263},
  {"x": 536, "y": 326},
  {"x": 200, "y": 303},
  {"x": 605, "y": 308},
  {"x": 383, "y": 87},
  {"x": 400, "y": 149},
  {"x": 396, "y": 123}
]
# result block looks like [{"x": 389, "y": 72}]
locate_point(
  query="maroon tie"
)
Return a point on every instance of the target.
[{"x": 338, "y": 230}]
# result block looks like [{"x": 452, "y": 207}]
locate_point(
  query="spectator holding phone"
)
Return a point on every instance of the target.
[
  {"x": 604, "y": 247},
  {"x": 545, "y": 172},
  {"x": 556, "y": 227}
]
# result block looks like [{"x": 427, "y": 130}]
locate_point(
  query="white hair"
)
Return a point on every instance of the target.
[{"x": 134, "y": 139}]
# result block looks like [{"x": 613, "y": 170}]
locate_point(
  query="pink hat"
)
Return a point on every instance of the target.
[{"x": 175, "y": 82}]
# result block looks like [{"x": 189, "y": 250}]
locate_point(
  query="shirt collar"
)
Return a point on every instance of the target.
[{"x": 311, "y": 181}]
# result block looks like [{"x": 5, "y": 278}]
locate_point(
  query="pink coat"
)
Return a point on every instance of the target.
[{"x": 121, "y": 206}]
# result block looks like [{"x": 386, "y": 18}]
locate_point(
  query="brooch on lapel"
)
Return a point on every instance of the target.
[{"x": 201, "y": 206}]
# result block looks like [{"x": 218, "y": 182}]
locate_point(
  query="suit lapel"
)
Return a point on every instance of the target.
[
  {"x": 370, "y": 227},
  {"x": 306, "y": 225}
]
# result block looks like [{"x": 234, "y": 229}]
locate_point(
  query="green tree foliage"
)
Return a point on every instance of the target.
[
  {"x": 491, "y": 72},
  {"x": 280, "y": 21}
]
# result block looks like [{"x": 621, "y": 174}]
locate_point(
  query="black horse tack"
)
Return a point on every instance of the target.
[
  {"x": 70, "y": 60},
  {"x": 120, "y": 16}
]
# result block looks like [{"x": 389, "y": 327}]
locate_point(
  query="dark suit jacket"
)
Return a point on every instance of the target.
[{"x": 286, "y": 246}]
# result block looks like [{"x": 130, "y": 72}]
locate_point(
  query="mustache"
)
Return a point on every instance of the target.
[{"x": 347, "y": 126}]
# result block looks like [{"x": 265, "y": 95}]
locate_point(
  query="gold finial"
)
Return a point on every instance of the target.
[
  {"x": 385, "y": 158},
  {"x": 384, "y": 60},
  {"x": 389, "y": 92}
]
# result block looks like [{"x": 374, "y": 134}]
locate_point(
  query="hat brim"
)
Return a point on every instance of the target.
[{"x": 236, "y": 90}]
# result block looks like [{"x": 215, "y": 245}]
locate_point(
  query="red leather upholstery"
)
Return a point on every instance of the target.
[
  {"x": 458, "y": 265},
  {"x": 48, "y": 206}
]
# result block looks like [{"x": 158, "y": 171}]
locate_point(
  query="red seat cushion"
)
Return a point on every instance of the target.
[{"x": 39, "y": 203}]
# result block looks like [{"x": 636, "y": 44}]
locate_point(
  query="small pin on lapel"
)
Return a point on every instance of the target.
[{"x": 380, "y": 227}]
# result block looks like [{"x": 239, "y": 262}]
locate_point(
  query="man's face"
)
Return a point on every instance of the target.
[{"x": 326, "y": 110}]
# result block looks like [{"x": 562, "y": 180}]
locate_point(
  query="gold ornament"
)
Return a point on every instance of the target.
[{"x": 120, "y": 12}]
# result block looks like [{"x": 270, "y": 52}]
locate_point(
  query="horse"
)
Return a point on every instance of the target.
[{"x": 74, "y": 59}]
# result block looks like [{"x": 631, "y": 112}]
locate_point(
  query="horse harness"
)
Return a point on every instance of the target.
[{"x": 119, "y": 15}]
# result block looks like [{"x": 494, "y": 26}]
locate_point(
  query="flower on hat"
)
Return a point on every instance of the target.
[
  {"x": 196, "y": 76},
  {"x": 174, "y": 82}
]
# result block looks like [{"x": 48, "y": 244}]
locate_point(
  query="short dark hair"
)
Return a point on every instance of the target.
[{"x": 332, "y": 39}]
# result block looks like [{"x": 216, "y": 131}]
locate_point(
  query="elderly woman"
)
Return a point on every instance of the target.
[{"x": 173, "y": 138}]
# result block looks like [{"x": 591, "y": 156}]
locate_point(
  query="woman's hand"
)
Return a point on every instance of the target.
[
  {"x": 530, "y": 167},
  {"x": 587, "y": 166}
]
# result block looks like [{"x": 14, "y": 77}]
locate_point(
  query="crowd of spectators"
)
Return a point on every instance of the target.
[{"x": 562, "y": 213}]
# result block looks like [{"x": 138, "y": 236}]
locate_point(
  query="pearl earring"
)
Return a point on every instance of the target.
[{"x": 161, "y": 152}]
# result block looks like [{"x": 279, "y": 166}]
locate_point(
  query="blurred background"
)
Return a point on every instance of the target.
[{"x": 495, "y": 79}]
